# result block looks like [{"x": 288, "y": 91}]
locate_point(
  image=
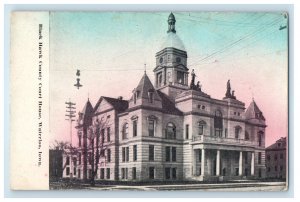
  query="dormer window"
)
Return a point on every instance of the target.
[
  {"x": 150, "y": 95},
  {"x": 135, "y": 96}
]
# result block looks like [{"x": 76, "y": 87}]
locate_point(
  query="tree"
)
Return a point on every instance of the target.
[{"x": 96, "y": 137}]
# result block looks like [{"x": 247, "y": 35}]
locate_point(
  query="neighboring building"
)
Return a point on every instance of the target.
[
  {"x": 276, "y": 159},
  {"x": 172, "y": 130},
  {"x": 55, "y": 164}
]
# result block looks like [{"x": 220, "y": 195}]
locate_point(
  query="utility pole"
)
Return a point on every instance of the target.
[{"x": 71, "y": 110}]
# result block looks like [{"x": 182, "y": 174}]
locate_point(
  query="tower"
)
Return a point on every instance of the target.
[{"x": 171, "y": 72}]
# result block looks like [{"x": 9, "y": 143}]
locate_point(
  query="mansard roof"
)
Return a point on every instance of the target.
[
  {"x": 253, "y": 112},
  {"x": 146, "y": 86}
]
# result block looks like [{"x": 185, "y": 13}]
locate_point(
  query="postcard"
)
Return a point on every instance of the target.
[{"x": 149, "y": 101}]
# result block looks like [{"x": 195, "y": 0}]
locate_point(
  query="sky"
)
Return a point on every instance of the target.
[{"x": 112, "y": 48}]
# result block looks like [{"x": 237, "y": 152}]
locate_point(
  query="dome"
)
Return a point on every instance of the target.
[{"x": 172, "y": 41}]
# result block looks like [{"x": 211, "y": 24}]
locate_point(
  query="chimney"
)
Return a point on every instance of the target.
[{"x": 120, "y": 98}]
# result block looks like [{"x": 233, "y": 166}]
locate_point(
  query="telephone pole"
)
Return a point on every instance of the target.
[{"x": 71, "y": 110}]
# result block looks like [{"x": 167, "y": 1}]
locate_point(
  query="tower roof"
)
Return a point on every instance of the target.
[
  {"x": 88, "y": 108},
  {"x": 253, "y": 112},
  {"x": 172, "y": 40},
  {"x": 146, "y": 86}
]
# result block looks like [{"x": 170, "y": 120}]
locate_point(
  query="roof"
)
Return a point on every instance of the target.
[
  {"x": 87, "y": 109},
  {"x": 172, "y": 41},
  {"x": 167, "y": 105},
  {"x": 145, "y": 86},
  {"x": 119, "y": 105},
  {"x": 279, "y": 144},
  {"x": 253, "y": 112},
  {"x": 171, "y": 16}
]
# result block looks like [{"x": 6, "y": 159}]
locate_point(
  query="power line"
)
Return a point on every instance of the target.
[{"x": 225, "y": 48}]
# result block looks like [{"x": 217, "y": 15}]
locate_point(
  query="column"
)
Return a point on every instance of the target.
[
  {"x": 252, "y": 163},
  {"x": 241, "y": 164},
  {"x": 193, "y": 163},
  {"x": 202, "y": 161},
  {"x": 218, "y": 163}
]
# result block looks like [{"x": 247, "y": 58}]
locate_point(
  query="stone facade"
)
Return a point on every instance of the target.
[{"x": 172, "y": 130}]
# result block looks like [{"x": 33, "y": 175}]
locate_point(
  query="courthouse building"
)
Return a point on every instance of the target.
[{"x": 170, "y": 129}]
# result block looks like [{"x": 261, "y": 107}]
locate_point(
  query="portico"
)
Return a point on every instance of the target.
[{"x": 212, "y": 163}]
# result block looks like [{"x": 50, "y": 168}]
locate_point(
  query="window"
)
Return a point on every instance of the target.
[
  {"x": 134, "y": 128},
  {"x": 107, "y": 173},
  {"x": 108, "y": 155},
  {"x": 281, "y": 156},
  {"x": 218, "y": 123},
  {"x": 247, "y": 137},
  {"x": 171, "y": 131},
  {"x": 281, "y": 168},
  {"x": 102, "y": 135},
  {"x": 79, "y": 158},
  {"x": 74, "y": 161},
  {"x": 198, "y": 106},
  {"x": 126, "y": 173},
  {"x": 123, "y": 154},
  {"x": 79, "y": 140},
  {"x": 151, "y": 127},
  {"x": 134, "y": 173},
  {"x": 151, "y": 152},
  {"x": 134, "y": 152},
  {"x": 68, "y": 160},
  {"x": 167, "y": 173},
  {"x": 237, "y": 131},
  {"x": 150, "y": 95},
  {"x": 108, "y": 134},
  {"x": 123, "y": 173},
  {"x": 90, "y": 157},
  {"x": 268, "y": 157},
  {"x": 174, "y": 173},
  {"x": 187, "y": 131},
  {"x": 125, "y": 131},
  {"x": 168, "y": 154},
  {"x": 275, "y": 168},
  {"x": 102, "y": 173},
  {"x": 159, "y": 78},
  {"x": 275, "y": 157},
  {"x": 260, "y": 137},
  {"x": 269, "y": 169},
  {"x": 259, "y": 157},
  {"x": 279, "y": 144},
  {"x": 173, "y": 154},
  {"x": 201, "y": 126},
  {"x": 67, "y": 171},
  {"x": 151, "y": 172},
  {"x": 203, "y": 107},
  {"x": 127, "y": 154},
  {"x": 180, "y": 77}
]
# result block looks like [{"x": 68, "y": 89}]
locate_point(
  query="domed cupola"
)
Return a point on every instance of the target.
[{"x": 171, "y": 61}]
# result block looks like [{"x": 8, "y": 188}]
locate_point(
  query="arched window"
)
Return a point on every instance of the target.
[
  {"x": 218, "y": 123},
  {"x": 247, "y": 136},
  {"x": 171, "y": 131},
  {"x": 125, "y": 131},
  {"x": 237, "y": 131},
  {"x": 201, "y": 126},
  {"x": 260, "y": 137}
]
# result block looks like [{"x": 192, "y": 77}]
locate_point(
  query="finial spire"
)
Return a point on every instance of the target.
[
  {"x": 145, "y": 68},
  {"x": 171, "y": 23}
]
